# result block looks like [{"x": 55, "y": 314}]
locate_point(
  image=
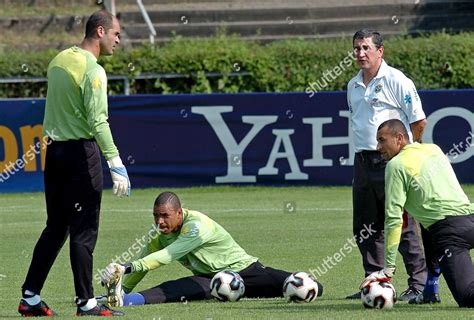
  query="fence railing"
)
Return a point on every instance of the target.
[
  {"x": 110, "y": 6},
  {"x": 148, "y": 22},
  {"x": 128, "y": 79}
]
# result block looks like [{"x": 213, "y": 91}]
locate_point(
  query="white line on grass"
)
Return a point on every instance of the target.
[
  {"x": 227, "y": 210},
  {"x": 23, "y": 209}
]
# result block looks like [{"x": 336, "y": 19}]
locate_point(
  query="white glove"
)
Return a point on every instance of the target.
[
  {"x": 384, "y": 275},
  {"x": 112, "y": 271},
  {"x": 119, "y": 175}
]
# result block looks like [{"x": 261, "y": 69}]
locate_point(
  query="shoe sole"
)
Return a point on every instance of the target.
[
  {"x": 104, "y": 313},
  {"x": 35, "y": 314},
  {"x": 112, "y": 299},
  {"x": 424, "y": 302},
  {"x": 113, "y": 296}
]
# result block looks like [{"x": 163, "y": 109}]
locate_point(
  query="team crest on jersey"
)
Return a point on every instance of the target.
[
  {"x": 374, "y": 101},
  {"x": 190, "y": 231},
  {"x": 378, "y": 88},
  {"x": 96, "y": 83}
]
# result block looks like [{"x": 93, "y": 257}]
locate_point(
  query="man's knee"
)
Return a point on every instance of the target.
[{"x": 56, "y": 234}]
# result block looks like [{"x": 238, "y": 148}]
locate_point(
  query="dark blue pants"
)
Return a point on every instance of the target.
[
  {"x": 453, "y": 237},
  {"x": 73, "y": 190}
]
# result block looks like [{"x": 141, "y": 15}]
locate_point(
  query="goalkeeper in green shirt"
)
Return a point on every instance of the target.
[
  {"x": 419, "y": 177},
  {"x": 199, "y": 244},
  {"x": 76, "y": 124}
]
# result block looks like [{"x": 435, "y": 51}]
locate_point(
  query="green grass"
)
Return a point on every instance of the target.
[{"x": 318, "y": 227}]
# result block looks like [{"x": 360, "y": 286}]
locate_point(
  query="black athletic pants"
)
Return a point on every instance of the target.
[
  {"x": 453, "y": 237},
  {"x": 368, "y": 198},
  {"x": 260, "y": 282},
  {"x": 430, "y": 255},
  {"x": 73, "y": 190}
]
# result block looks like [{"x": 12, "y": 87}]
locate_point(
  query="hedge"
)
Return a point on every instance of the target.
[{"x": 437, "y": 61}]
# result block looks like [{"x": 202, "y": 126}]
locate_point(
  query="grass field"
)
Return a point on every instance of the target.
[{"x": 287, "y": 228}]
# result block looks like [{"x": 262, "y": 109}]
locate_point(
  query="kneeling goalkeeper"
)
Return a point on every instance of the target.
[
  {"x": 199, "y": 244},
  {"x": 420, "y": 178}
]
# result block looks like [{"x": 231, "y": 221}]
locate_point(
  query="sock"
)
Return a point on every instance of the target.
[
  {"x": 133, "y": 299},
  {"x": 31, "y": 298},
  {"x": 432, "y": 282},
  {"x": 91, "y": 304}
]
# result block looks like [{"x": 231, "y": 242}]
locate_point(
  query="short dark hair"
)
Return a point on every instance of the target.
[
  {"x": 99, "y": 18},
  {"x": 168, "y": 197},
  {"x": 369, "y": 33},
  {"x": 395, "y": 126}
]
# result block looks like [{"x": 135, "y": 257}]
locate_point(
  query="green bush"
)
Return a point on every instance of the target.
[{"x": 227, "y": 64}]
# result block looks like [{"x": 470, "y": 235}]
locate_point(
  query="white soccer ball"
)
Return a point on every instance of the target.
[
  {"x": 300, "y": 287},
  {"x": 378, "y": 295},
  {"x": 227, "y": 285}
]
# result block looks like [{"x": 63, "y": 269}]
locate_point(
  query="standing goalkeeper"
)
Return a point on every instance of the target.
[
  {"x": 420, "y": 178},
  {"x": 76, "y": 113}
]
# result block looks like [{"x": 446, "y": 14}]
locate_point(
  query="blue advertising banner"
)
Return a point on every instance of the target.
[{"x": 267, "y": 139}]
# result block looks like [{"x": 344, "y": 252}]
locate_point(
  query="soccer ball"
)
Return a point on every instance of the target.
[
  {"x": 300, "y": 287},
  {"x": 227, "y": 286},
  {"x": 378, "y": 295}
]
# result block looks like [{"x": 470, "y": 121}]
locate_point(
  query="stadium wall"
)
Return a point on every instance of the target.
[{"x": 209, "y": 139}]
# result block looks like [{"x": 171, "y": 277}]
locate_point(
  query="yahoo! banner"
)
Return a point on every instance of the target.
[{"x": 189, "y": 140}]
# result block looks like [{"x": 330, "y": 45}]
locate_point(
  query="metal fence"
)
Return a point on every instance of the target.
[{"x": 128, "y": 79}]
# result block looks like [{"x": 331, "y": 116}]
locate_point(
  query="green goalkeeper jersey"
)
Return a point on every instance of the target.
[
  {"x": 201, "y": 245},
  {"x": 421, "y": 180},
  {"x": 76, "y": 101}
]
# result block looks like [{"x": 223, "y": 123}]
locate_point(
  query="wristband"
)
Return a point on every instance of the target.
[{"x": 128, "y": 268}]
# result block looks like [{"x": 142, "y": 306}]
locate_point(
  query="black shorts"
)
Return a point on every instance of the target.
[{"x": 260, "y": 282}]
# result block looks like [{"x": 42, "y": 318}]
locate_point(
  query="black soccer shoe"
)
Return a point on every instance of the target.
[
  {"x": 100, "y": 310},
  {"x": 425, "y": 298},
  {"x": 409, "y": 294},
  {"x": 37, "y": 310}
]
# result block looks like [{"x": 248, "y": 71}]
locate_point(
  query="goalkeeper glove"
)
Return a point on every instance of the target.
[
  {"x": 115, "y": 271},
  {"x": 384, "y": 275},
  {"x": 119, "y": 175}
]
